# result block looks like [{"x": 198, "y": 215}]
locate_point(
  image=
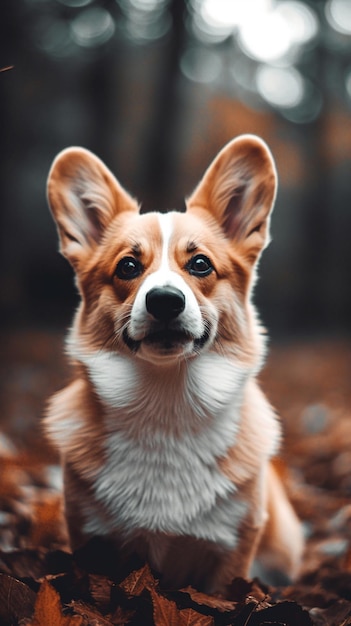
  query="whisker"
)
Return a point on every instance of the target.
[
  {"x": 106, "y": 342},
  {"x": 114, "y": 337}
]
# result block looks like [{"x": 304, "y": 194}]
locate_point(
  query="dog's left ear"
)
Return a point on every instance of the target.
[{"x": 239, "y": 189}]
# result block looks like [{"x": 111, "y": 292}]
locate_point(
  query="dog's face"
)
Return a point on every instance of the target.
[{"x": 164, "y": 286}]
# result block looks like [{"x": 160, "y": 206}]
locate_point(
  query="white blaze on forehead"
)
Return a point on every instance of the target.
[{"x": 166, "y": 225}]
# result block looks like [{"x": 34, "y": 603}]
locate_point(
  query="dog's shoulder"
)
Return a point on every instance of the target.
[
  {"x": 71, "y": 420},
  {"x": 258, "y": 438}
]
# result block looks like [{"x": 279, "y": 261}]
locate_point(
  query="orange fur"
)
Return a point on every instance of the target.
[{"x": 165, "y": 436}]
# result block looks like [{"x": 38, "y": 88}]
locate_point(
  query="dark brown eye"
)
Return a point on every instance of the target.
[
  {"x": 200, "y": 265},
  {"x": 128, "y": 268}
]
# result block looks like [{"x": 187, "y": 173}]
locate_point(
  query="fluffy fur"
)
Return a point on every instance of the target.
[{"x": 165, "y": 436}]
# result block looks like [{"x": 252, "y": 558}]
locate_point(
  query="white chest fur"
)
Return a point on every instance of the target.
[{"x": 164, "y": 434}]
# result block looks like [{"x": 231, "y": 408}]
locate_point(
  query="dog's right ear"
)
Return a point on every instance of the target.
[{"x": 84, "y": 197}]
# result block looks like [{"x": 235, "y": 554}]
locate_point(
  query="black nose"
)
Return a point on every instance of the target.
[{"x": 165, "y": 303}]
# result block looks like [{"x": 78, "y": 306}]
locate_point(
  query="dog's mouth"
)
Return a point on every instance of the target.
[{"x": 167, "y": 340}]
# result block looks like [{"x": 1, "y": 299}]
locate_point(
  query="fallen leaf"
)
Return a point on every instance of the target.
[
  {"x": 100, "y": 589},
  {"x": 339, "y": 614},
  {"x": 287, "y": 613},
  {"x": 165, "y": 611},
  {"x": 211, "y": 601},
  {"x": 138, "y": 581},
  {"x": 48, "y": 609},
  {"x": 90, "y": 613},
  {"x": 239, "y": 589},
  {"x": 189, "y": 617},
  {"x": 120, "y": 617},
  {"x": 243, "y": 617},
  {"x": 17, "y": 600}
]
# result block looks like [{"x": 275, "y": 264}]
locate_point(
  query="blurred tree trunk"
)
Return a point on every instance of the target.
[
  {"x": 160, "y": 154},
  {"x": 318, "y": 300}
]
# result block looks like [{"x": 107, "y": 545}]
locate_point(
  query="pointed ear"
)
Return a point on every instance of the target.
[
  {"x": 84, "y": 197},
  {"x": 238, "y": 190}
]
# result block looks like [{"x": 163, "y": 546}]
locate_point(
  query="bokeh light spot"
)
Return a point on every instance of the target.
[
  {"x": 302, "y": 21},
  {"x": 338, "y": 14},
  {"x": 92, "y": 27},
  {"x": 309, "y": 109},
  {"x": 281, "y": 87},
  {"x": 267, "y": 39},
  {"x": 200, "y": 65},
  {"x": 229, "y": 13},
  {"x": 215, "y": 20},
  {"x": 145, "y": 20},
  {"x": 267, "y": 31},
  {"x": 348, "y": 83},
  {"x": 75, "y": 3},
  {"x": 53, "y": 36},
  {"x": 143, "y": 30},
  {"x": 147, "y": 5}
]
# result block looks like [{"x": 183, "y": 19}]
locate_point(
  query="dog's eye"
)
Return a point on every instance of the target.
[
  {"x": 200, "y": 265},
  {"x": 129, "y": 268}
]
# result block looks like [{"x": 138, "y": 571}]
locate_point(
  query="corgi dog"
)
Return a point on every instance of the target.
[{"x": 165, "y": 436}]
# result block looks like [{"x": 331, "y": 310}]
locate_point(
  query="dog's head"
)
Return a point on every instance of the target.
[{"x": 164, "y": 286}]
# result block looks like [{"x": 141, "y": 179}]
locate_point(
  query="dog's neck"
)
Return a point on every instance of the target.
[{"x": 185, "y": 397}]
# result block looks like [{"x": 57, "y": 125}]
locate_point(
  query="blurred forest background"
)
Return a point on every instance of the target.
[{"x": 155, "y": 88}]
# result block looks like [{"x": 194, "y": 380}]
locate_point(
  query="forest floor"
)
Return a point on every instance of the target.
[{"x": 42, "y": 584}]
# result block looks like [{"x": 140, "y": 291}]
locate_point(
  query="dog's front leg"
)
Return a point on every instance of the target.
[{"x": 236, "y": 563}]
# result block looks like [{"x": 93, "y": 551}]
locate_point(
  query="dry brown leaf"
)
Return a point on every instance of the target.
[
  {"x": 339, "y": 614},
  {"x": 120, "y": 617},
  {"x": 17, "y": 600},
  {"x": 211, "y": 601},
  {"x": 287, "y": 613},
  {"x": 100, "y": 589},
  {"x": 189, "y": 617},
  {"x": 92, "y": 615},
  {"x": 138, "y": 581},
  {"x": 48, "y": 609},
  {"x": 165, "y": 611}
]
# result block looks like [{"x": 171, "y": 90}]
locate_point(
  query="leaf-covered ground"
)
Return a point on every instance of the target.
[{"x": 41, "y": 584}]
